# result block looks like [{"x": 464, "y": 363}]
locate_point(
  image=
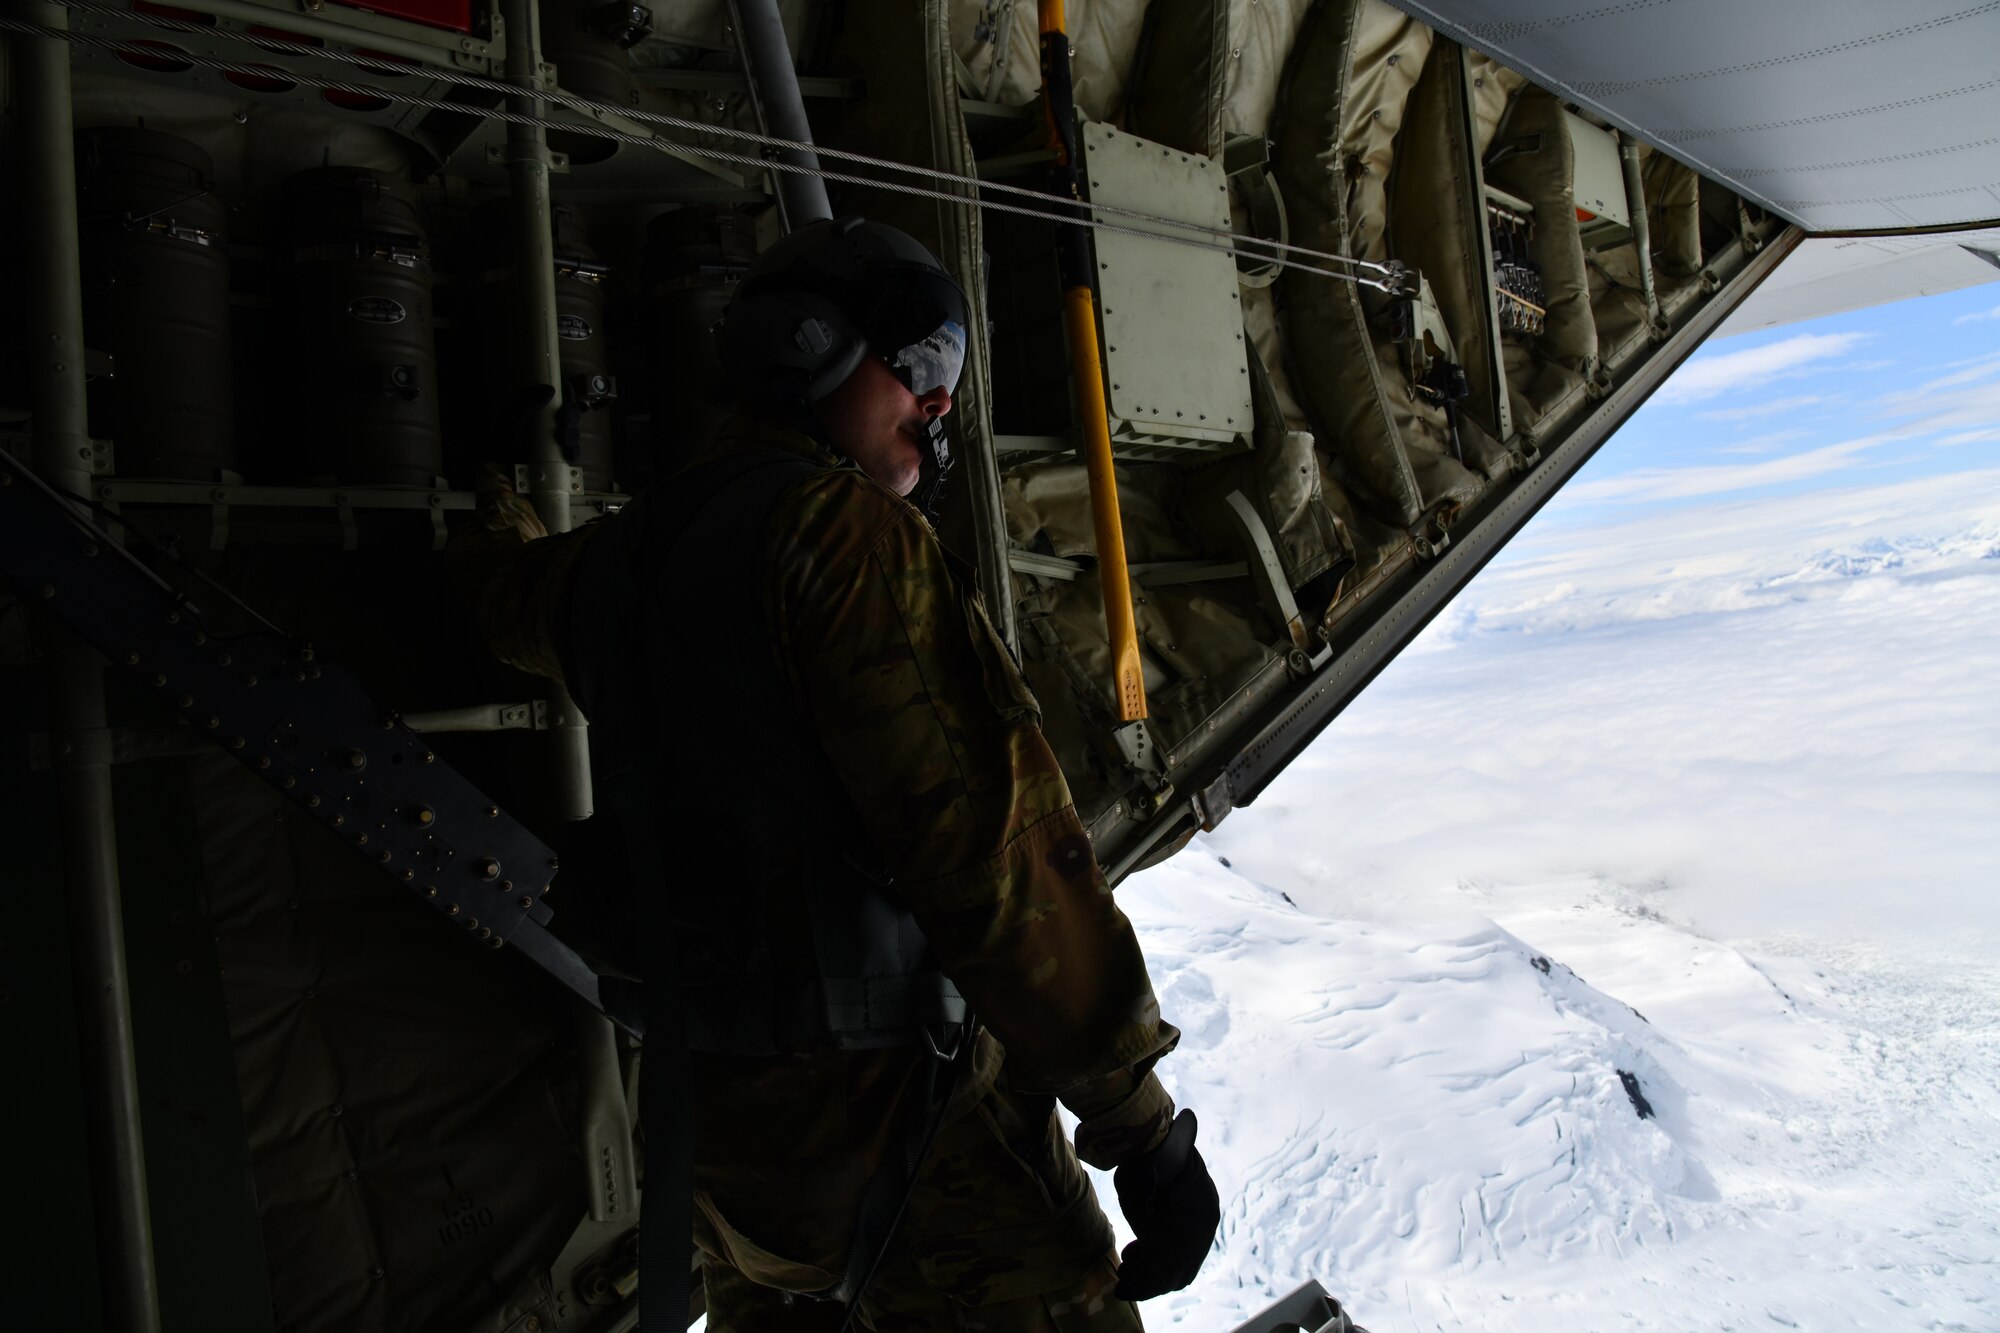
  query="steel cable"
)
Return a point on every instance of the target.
[{"x": 1232, "y": 242}]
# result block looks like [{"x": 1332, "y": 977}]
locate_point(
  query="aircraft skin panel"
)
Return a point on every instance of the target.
[
  {"x": 1848, "y": 116},
  {"x": 1828, "y": 276}
]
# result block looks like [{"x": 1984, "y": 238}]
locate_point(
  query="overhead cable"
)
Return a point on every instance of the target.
[
  {"x": 1232, "y": 242},
  {"x": 589, "y": 106}
]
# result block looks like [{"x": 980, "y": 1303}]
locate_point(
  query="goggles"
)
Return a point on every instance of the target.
[{"x": 933, "y": 361}]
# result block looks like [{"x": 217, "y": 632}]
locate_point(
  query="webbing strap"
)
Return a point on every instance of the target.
[
  {"x": 667, "y": 1216},
  {"x": 759, "y": 1016},
  {"x": 859, "y": 1009},
  {"x": 728, "y": 654},
  {"x": 666, "y": 1073},
  {"x": 854, "y": 935},
  {"x": 887, "y": 1197}
]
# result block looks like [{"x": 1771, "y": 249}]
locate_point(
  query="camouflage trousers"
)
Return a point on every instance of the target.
[{"x": 1003, "y": 1234}]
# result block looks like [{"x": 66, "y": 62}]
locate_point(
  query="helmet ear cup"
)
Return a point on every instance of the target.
[
  {"x": 787, "y": 343},
  {"x": 802, "y": 321}
]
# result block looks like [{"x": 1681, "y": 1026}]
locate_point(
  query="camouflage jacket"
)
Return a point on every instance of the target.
[{"x": 931, "y": 729}]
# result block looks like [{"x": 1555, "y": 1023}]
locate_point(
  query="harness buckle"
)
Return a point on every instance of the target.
[{"x": 965, "y": 1027}]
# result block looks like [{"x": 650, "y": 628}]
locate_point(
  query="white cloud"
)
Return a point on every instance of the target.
[
  {"x": 1680, "y": 483},
  {"x": 1761, "y": 444},
  {"x": 1957, "y": 408},
  {"x": 1965, "y": 407},
  {"x": 1783, "y": 708},
  {"x": 1765, "y": 409},
  {"x": 1975, "y": 317},
  {"x": 1737, "y": 542},
  {"x": 1969, "y": 372},
  {"x": 1711, "y": 376}
]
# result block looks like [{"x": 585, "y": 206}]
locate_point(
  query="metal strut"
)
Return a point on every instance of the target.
[
  {"x": 53, "y": 330},
  {"x": 539, "y": 362},
  {"x": 781, "y": 111},
  {"x": 1642, "y": 235}
]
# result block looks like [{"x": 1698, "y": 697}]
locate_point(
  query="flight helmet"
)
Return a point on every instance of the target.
[{"x": 832, "y": 292}]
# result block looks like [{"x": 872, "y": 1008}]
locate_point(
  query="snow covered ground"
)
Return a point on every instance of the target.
[
  {"x": 1432, "y": 1121},
  {"x": 1709, "y": 798}
]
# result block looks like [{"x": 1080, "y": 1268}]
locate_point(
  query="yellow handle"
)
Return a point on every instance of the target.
[
  {"x": 1129, "y": 680},
  {"x": 1080, "y": 314}
]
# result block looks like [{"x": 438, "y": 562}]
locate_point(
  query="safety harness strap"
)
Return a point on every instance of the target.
[
  {"x": 758, "y": 1016},
  {"x": 877, "y": 985},
  {"x": 859, "y": 1009},
  {"x": 622, "y": 644}
]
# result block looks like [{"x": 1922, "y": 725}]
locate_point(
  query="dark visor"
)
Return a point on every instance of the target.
[
  {"x": 933, "y": 361},
  {"x": 917, "y": 325}
]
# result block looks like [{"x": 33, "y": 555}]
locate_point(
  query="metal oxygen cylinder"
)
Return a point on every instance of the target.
[
  {"x": 156, "y": 298},
  {"x": 695, "y": 256},
  {"x": 590, "y": 43},
  {"x": 359, "y": 340},
  {"x": 586, "y": 358},
  {"x": 581, "y": 330}
]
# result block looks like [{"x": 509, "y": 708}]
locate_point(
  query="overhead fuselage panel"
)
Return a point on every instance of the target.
[{"x": 1840, "y": 116}]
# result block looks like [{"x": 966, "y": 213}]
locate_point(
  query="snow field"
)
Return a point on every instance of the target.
[{"x": 1435, "y": 1128}]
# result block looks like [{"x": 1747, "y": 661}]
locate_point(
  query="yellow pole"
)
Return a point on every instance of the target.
[
  {"x": 1129, "y": 680},
  {"x": 1080, "y": 316}
]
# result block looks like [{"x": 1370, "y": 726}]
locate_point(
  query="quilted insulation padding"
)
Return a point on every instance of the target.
[
  {"x": 1493, "y": 88},
  {"x": 1197, "y": 647},
  {"x": 1182, "y": 77},
  {"x": 1350, "y": 80},
  {"x": 1617, "y": 300},
  {"x": 1261, "y": 35},
  {"x": 1199, "y": 641},
  {"x": 1673, "y": 210},
  {"x": 1532, "y": 159},
  {"x": 1437, "y": 225},
  {"x": 1104, "y": 34},
  {"x": 412, "y": 1118}
]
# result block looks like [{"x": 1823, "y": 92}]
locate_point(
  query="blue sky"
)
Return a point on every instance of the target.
[{"x": 1870, "y": 397}]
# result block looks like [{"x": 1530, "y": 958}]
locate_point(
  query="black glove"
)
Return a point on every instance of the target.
[{"x": 1170, "y": 1203}]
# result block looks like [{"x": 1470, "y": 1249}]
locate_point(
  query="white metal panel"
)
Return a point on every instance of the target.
[
  {"x": 1828, "y": 276},
  {"x": 1837, "y": 114},
  {"x": 1176, "y": 368},
  {"x": 1599, "y": 182}
]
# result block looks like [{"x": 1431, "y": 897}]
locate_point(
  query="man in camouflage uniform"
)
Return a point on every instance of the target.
[{"x": 941, "y": 770}]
